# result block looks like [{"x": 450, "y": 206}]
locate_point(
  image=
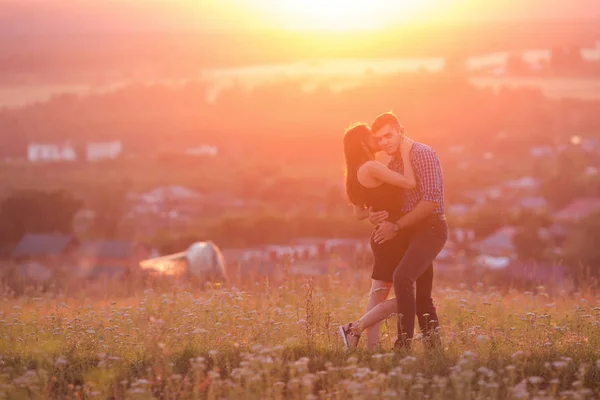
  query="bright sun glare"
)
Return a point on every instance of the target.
[{"x": 343, "y": 15}]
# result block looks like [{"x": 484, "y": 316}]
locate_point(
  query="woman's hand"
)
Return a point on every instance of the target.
[
  {"x": 360, "y": 212},
  {"x": 407, "y": 144},
  {"x": 377, "y": 217}
]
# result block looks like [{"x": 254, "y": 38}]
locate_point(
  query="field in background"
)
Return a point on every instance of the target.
[
  {"x": 555, "y": 88},
  {"x": 337, "y": 77},
  {"x": 271, "y": 340}
]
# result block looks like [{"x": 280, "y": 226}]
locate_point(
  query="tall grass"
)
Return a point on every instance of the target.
[{"x": 263, "y": 340}]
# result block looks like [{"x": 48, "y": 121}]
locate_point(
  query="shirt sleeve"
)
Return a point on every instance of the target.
[{"x": 429, "y": 175}]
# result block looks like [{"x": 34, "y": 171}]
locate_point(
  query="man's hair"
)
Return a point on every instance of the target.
[{"x": 387, "y": 118}]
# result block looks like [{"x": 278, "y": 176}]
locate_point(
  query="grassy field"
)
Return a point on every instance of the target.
[
  {"x": 278, "y": 340},
  {"x": 557, "y": 88}
]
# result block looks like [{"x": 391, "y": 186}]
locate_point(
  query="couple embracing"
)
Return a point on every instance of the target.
[{"x": 405, "y": 202}]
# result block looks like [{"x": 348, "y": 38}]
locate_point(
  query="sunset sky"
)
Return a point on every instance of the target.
[
  {"x": 31, "y": 15},
  {"x": 369, "y": 14}
]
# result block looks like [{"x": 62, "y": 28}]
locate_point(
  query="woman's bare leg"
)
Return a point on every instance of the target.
[
  {"x": 377, "y": 314},
  {"x": 374, "y": 315},
  {"x": 371, "y": 321},
  {"x": 379, "y": 292}
]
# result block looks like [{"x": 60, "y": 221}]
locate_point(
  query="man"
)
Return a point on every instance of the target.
[{"x": 425, "y": 224}]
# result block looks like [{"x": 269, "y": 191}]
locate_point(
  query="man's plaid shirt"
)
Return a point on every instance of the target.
[{"x": 430, "y": 179}]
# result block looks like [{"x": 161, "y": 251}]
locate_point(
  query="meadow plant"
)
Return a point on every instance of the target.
[{"x": 269, "y": 340}]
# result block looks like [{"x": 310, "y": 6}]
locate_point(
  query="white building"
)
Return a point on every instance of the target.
[
  {"x": 534, "y": 203},
  {"x": 541, "y": 151},
  {"x": 499, "y": 243},
  {"x": 66, "y": 152},
  {"x": 458, "y": 209},
  {"x": 104, "y": 150},
  {"x": 51, "y": 152},
  {"x": 526, "y": 182},
  {"x": 203, "y": 150}
]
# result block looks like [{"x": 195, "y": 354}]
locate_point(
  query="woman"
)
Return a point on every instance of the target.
[{"x": 372, "y": 185}]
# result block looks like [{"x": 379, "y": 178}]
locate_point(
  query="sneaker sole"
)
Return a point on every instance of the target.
[{"x": 341, "y": 329}]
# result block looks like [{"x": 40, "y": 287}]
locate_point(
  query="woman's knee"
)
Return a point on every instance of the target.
[{"x": 380, "y": 289}]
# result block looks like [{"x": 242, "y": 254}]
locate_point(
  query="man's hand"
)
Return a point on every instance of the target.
[
  {"x": 378, "y": 217},
  {"x": 385, "y": 232}
]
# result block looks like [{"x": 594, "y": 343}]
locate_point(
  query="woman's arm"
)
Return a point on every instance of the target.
[
  {"x": 409, "y": 172},
  {"x": 382, "y": 173},
  {"x": 360, "y": 212}
]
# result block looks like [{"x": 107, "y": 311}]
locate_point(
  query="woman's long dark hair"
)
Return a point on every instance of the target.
[{"x": 356, "y": 155}]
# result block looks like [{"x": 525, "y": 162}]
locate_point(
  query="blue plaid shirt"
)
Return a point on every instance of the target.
[{"x": 430, "y": 179}]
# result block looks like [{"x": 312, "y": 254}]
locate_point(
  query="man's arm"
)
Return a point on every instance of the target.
[
  {"x": 429, "y": 173},
  {"x": 387, "y": 230},
  {"x": 430, "y": 183},
  {"x": 422, "y": 210}
]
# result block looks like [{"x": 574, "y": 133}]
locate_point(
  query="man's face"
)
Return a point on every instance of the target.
[{"x": 389, "y": 138}]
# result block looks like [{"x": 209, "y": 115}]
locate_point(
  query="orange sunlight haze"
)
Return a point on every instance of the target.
[{"x": 343, "y": 15}]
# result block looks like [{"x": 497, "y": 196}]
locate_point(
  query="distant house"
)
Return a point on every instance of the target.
[
  {"x": 499, "y": 243},
  {"x": 330, "y": 245},
  {"x": 533, "y": 203},
  {"x": 244, "y": 255},
  {"x": 167, "y": 193},
  {"x": 591, "y": 170},
  {"x": 541, "y": 151},
  {"x": 103, "y": 150},
  {"x": 452, "y": 252},
  {"x": 579, "y": 208},
  {"x": 557, "y": 230},
  {"x": 462, "y": 165},
  {"x": 526, "y": 182},
  {"x": 305, "y": 250},
  {"x": 267, "y": 261},
  {"x": 83, "y": 220},
  {"x": 110, "y": 257},
  {"x": 273, "y": 253},
  {"x": 317, "y": 267},
  {"x": 44, "y": 246},
  {"x": 493, "y": 192},
  {"x": 553, "y": 275},
  {"x": 476, "y": 197},
  {"x": 51, "y": 152},
  {"x": 591, "y": 145},
  {"x": 492, "y": 262},
  {"x": 178, "y": 202},
  {"x": 67, "y": 152},
  {"x": 165, "y": 199},
  {"x": 462, "y": 236},
  {"x": 204, "y": 150},
  {"x": 458, "y": 209},
  {"x": 40, "y": 255},
  {"x": 456, "y": 149},
  {"x": 300, "y": 250}
]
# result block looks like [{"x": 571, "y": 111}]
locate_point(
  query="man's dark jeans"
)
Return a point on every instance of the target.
[{"x": 427, "y": 239}]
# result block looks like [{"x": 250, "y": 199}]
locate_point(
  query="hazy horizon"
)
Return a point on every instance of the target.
[{"x": 94, "y": 16}]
